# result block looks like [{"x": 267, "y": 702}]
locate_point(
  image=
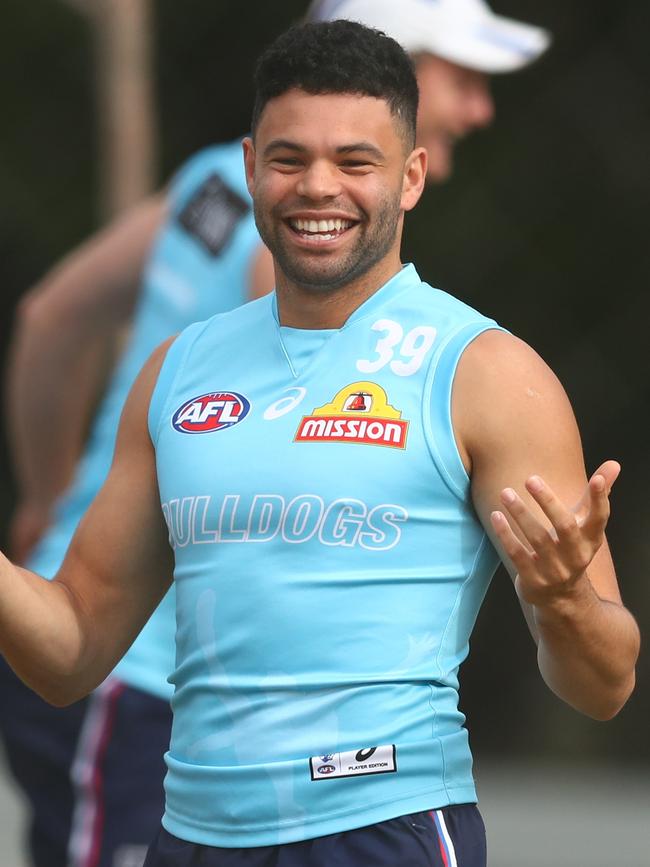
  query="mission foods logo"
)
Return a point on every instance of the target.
[
  {"x": 360, "y": 413},
  {"x": 211, "y": 412}
]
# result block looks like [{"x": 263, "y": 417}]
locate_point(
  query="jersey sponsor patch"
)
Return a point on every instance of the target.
[
  {"x": 355, "y": 763},
  {"x": 359, "y": 413},
  {"x": 211, "y": 412},
  {"x": 212, "y": 214}
]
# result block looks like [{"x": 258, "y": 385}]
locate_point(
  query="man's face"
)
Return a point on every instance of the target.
[
  {"x": 454, "y": 101},
  {"x": 327, "y": 174}
]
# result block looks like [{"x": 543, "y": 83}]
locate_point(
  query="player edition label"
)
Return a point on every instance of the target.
[{"x": 355, "y": 763}]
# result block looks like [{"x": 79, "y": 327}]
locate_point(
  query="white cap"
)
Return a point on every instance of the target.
[{"x": 465, "y": 32}]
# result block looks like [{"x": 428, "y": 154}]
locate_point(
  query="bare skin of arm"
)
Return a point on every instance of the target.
[
  {"x": 520, "y": 443},
  {"x": 62, "y": 351},
  {"x": 63, "y": 637}
]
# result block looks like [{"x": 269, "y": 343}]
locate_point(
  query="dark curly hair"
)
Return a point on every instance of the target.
[{"x": 339, "y": 57}]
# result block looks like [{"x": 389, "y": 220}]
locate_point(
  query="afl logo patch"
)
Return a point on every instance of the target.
[{"x": 211, "y": 412}]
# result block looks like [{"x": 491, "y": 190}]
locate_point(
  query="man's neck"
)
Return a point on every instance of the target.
[{"x": 313, "y": 308}]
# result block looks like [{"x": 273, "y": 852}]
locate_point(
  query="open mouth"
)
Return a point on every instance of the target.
[{"x": 320, "y": 230}]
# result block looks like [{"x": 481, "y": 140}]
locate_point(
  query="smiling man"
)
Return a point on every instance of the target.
[
  {"x": 333, "y": 247},
  {"x": 183, "y": 255},
  {"x": 328, "y": 575}
]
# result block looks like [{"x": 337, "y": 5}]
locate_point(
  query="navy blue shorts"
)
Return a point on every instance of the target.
[
  {"x": 92, "y": 773},
  {"x": 450, "y": 837}
]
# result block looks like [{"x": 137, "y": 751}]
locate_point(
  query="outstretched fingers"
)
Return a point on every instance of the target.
[
  {"x": 541, "y": 538},
  {"x": 563, "y": 548},
  {"x": 597, "y": 514},
  {"x": 520, "y": 555},
  {"x": 575, "y": 539},
  {"x": 597, "y": 509}
]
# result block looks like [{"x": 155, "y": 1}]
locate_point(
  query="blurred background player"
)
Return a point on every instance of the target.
[
  {"x": 455, "y": 44},
  {"x": 93, "y": 773}
]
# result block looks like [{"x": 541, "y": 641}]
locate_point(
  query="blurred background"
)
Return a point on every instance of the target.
[{"x": 544, "y": 226}]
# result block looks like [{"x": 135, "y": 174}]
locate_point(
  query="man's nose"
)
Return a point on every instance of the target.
[
  {"x": 319, "y": 180},
  {"x": 481, "y": 106}
]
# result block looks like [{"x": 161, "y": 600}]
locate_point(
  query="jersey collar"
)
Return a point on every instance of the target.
[{"x": 406, "y": 278}]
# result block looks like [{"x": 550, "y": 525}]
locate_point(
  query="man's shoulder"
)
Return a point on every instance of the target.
[
  {"x": 498, "y": 353},
  {"x": 503, "y": 379},
  {"x": 444, "y": 299},
  {"x": 446, "y": 310},
  {"x": 227, "y": 326},
  {"x": 220, "y": 338}
]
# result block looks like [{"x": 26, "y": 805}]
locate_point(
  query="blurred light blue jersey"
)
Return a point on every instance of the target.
[
  {"x": 199, "y": 266},
  {"x": 329, "y": 567}
]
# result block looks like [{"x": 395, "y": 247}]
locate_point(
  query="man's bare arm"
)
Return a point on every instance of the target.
[
  {"x": 61, "y": 353},
  {"x": 65, "y": 636},
  {"x": 519, "y": 440}
]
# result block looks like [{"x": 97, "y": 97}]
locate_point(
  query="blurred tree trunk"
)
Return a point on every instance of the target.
[{"x": 125, "y": 100}]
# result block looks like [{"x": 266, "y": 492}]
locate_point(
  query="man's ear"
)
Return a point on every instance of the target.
[
  {"x": 249, "y": 163},
  {"x": 415, "y": 174}
]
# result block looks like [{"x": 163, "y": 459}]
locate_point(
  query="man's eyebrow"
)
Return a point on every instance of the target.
[
  {"x": 361, "y": 147},
  {"x": 283, "y": 144}
]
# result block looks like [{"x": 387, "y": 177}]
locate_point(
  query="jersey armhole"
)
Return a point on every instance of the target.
[
  {"x": 436, "y": 409},
  {"x": 170, "y": 369}
]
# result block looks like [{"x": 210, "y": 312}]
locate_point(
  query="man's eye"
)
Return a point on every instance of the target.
[
  {"x": 355, "y": 164},
  {"x": 287, "y": 161}
]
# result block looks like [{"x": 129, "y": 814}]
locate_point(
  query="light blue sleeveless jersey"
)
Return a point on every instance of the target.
[
  {"x": 329, "y": 568},
  {"x": 199, "y": 266}
]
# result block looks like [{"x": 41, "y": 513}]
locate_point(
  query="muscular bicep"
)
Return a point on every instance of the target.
[
  {"x": 119, "y": 564},
  {"x": 513, "y": 420}
]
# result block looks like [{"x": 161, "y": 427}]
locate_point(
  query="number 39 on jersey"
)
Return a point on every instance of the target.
[{"x": 411, "y": 348}]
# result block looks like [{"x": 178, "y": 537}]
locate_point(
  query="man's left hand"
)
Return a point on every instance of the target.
[{"x": 552, "y": 561}]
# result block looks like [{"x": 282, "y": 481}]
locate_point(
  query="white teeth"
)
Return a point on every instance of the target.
[{"x": 320, "y": 226}]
